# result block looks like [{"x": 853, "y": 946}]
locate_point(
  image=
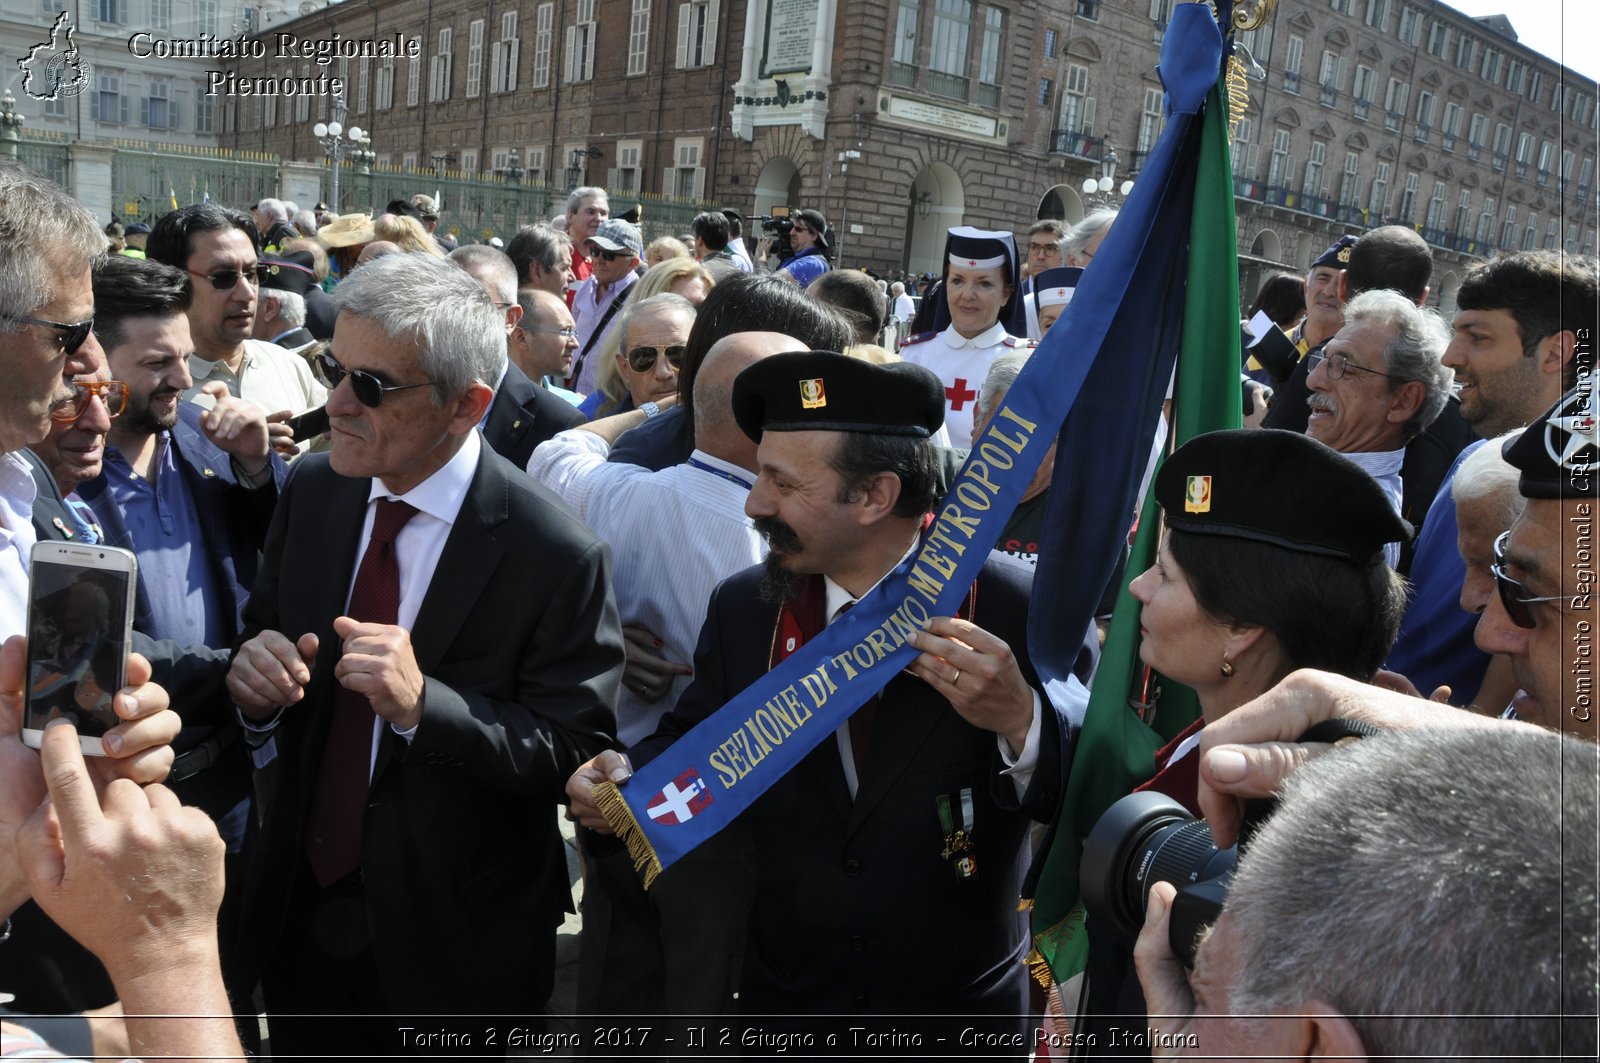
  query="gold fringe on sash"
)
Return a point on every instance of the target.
[{"x": 608, "y": 799}]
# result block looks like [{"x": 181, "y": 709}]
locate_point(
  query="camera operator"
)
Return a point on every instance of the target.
[
  {"x": 808, "y": 248},
  {"x": 1425, "y": 894}
]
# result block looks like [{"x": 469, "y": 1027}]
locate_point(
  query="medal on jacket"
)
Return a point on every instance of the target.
[{"x": 958, "y": 843}]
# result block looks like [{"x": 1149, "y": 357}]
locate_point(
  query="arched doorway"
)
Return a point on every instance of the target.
[
  {"x": 1444, "y": 296},
  {"x": 1267, "y": 245},
  {"x": 777, "y": 185},
  {"x": 1062, "y": 203},
  {"x": 938, "y": 203}
]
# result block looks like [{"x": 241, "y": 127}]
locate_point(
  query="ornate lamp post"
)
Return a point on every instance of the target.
[
  {"x": 336, "y": 142},
  {"x": 10, "y": 125}
]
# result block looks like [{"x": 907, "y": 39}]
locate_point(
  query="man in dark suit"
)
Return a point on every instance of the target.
[
  {"x": 867, "y": 900},
  {"x": 431, "y": 650},
  {"x": 523, "y": 413}
]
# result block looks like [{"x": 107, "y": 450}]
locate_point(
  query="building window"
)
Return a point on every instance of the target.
[
  {"x": 269, "y": 112},
  {"x": 504, "y": 55},
  {"x": 439, "y": 67},
  {"x": 1344, "y": 7},
  {"x": 1377, "y": 14},
  {"x": 111, "y": 11},
  {"x": 1161, "y": 12},
  {"x": 544, "y": 30},
  {"x": 1049, "y": 44},
  {"x": 157, "y": 109},
  {"x": 1567, "y": 159},
  {"x": 1150, "y": 122},
  {"x": 302, "y": 103},
  {"x": 1366, "y": 78},
  {"x": 1282, "y": 167},
  {"x": 363, "y": 84},
  {"x": 1410, "y": 25},
  {"x": 108, "y": 104},
  {"x": 1508, "y": 231},
  {"x": 1313, "y": 183},
  {"x": 624, "y": 179},
  {"x": 638, "y": 36},
  {"x": 1452, "y": 125},
  {"x": 686, "y": 179},
  {"x": 1408, "y": 199},
  {"x": 1530, "y": 234},
  {"x": 1438, "y": 39},
  {"x": 1291, "y": 64},
  {"x": 952, "y": 26},
  {"x": 1380, "y": 192},
  {"x": 1331, "y": 76},
  {"x": 1425, "y": 101},
  {"x": 1516, "y": 75},
  {"x": 697, "y": 33},
  {"x": 1077, "y": 106},
  {"x": 160, "y": 14},
  {"x": 534, "y": 159},
  {"x": 469, "y": 163},
  {"x": 1486, "y": 220},
  {"x": 578, "y": 64},
  {"x": 1244, "y": 152},
  {"x": 1435, "y": 217},
  {"x": 1476, "y": 132},
  {"x": 56, "y": 106},
  {"x": 414, "y": 75},
  {"x": 1502, "y": 145},
  {"x": 1394, "y": 103},
  {"x": 1350, "y": 180},
  {"x": 1491, "y": 65},
  {"x": 384, "y": 93},
  {"x": 1524, "y": 153},
  {"x": 989, "y": 57},
  {"x": 1045, "y": 85},
  {"x": 1466, "y": 52},
  {"x": 1464, "y": 212},
  {"x": 1089, "y": 9},
  {"x": 205, "y": 112},
  {"x": 207, "y": 15},
  {"x": 474, "y": 58},
  {"x": 1535, "y": 84},
  {"x": 1550, "y": 235}
]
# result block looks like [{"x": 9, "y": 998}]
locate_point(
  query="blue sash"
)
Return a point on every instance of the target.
[{"x": 720, "y": 767}]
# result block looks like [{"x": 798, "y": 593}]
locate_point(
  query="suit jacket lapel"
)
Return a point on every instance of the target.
[
  {"x": 470, "y": 558},
  {"x": 508, "y": 420}
]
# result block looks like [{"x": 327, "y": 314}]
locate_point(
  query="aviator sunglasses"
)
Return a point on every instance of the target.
[
  {"x": 73, "y": 335},
  {"x": 223, "y": 280},
  {"x": 1514, "y": 594},
  {"x": 643, "y": 359}
]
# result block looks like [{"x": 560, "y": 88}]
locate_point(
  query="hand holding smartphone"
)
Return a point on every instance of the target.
[{"x": 80, "y": 622}]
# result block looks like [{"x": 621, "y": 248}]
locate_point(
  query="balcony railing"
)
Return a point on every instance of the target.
[
  {"x": 951, "y": 85},
  {"x": 1541, "y": 178},
  {"x": 1474, "y": 151},
  {"x": 1393, "y": 119},
  {"x": 1291, "y": 83},
  {"x": 1077, "y": 145},
  {"x": 903, "y": 75},
  {"x": 1249, "y": 188},
  {"x": 988, "y": 95},
  {"x": 1522, "y": 168},
  {"x": 1330, "y": 95},
  {"x": 1448, "y": 142},
  {"x": 1421, "y": 133},
  {"x": 1436, "y": 237},
  {"x": 1499, "y": 161},
  {"x": 1359, "y": 110}
]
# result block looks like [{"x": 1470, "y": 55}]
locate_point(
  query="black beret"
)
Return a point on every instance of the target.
[
  {"x": 1337, "y": 256},
  {"x": 136, "y": 228},
  {"x": 1558, "y": 455},
  {"x": 403, "y": 206},
  {"x": 1278, "y": 487},
  {"x": 289, "y": 271},
  {"x": 822, "y": 391}
]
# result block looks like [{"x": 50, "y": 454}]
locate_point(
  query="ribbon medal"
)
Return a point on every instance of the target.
[{"x": 958, "y": 841}]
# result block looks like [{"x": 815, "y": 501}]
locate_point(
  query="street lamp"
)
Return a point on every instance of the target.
[
  {"x": 1108, "y": 177},
  {"x": 10, "y": 123},
  {"x": 578, "y": 167},
  {"x": 513, "y": 168},
  {"x": 336, "y": 142}
]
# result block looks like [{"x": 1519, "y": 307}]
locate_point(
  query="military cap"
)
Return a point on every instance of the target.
[
  {"x": 1278, "y": 487},
  {"x": 1558, "y": 455},
  {"x": 288, "y": 271},
  {"x": 804, "y": 391},
  {"x": 1337, "y": 256}
]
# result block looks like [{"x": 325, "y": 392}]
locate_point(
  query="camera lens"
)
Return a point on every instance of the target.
[{"x": 1143, "y": 839}]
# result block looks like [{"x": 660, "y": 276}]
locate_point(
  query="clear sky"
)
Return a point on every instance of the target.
[{"x": 1567, "y": 31}]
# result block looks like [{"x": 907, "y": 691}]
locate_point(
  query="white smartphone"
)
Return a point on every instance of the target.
[{"x": 80, "y": 619}]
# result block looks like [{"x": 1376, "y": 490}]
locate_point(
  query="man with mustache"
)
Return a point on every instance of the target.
[
  {"x": 190, "y": 492},
  {"x": 1377, "y": 384},
  {"x": 867, "y": 902}
]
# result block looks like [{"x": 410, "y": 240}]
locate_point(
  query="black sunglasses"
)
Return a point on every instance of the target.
[
  {"x": 612, "y": 256},
  {"x": 643, "y": 359},
  {"x": 73, "y": 336},
  {"x": 369, "y": 390},
  {"x": 1514, "y": 594},
  {"x": 224, "y": 279}
]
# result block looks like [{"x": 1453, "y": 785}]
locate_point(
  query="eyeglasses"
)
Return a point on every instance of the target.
[
  {"x": 369, "y": 390},
  {"x": 568, "y": 333},
  {"x": 1514, "y": 594},
  {"x": 1044, "y": 249},
  {"x": 113, "y": 395},
  {"x": 1338, "y": 363},
  {"x": 223, "y": 280},
  {"x": 643, "y": 359},
  {"x": 610, "y": 256},
  {"x": 73, "y": 336}
]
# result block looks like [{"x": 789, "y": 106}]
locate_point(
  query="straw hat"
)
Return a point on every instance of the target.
[{"x": 346, "y": 230}]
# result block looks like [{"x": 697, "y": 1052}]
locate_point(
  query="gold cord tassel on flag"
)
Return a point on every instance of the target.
[{"x": 608, "y": 799}]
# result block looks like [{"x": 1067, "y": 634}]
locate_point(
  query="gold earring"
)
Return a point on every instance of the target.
[{"x": 1227, "y": 667}]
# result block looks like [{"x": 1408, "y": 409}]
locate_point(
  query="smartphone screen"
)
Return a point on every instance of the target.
[{"x": 80, "y": 613}]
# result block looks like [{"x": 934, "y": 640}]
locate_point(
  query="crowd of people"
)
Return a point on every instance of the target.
[{"x": 435, "y": 540}]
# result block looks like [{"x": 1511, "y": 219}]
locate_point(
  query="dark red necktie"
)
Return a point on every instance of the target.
[{"x": 333, "y": 844}]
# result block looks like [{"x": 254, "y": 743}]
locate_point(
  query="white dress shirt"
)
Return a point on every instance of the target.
[
  {"x": 17, "y": 491},
  {"x": 675, "y": 534},
  {"x": 961, "y": 366}
]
